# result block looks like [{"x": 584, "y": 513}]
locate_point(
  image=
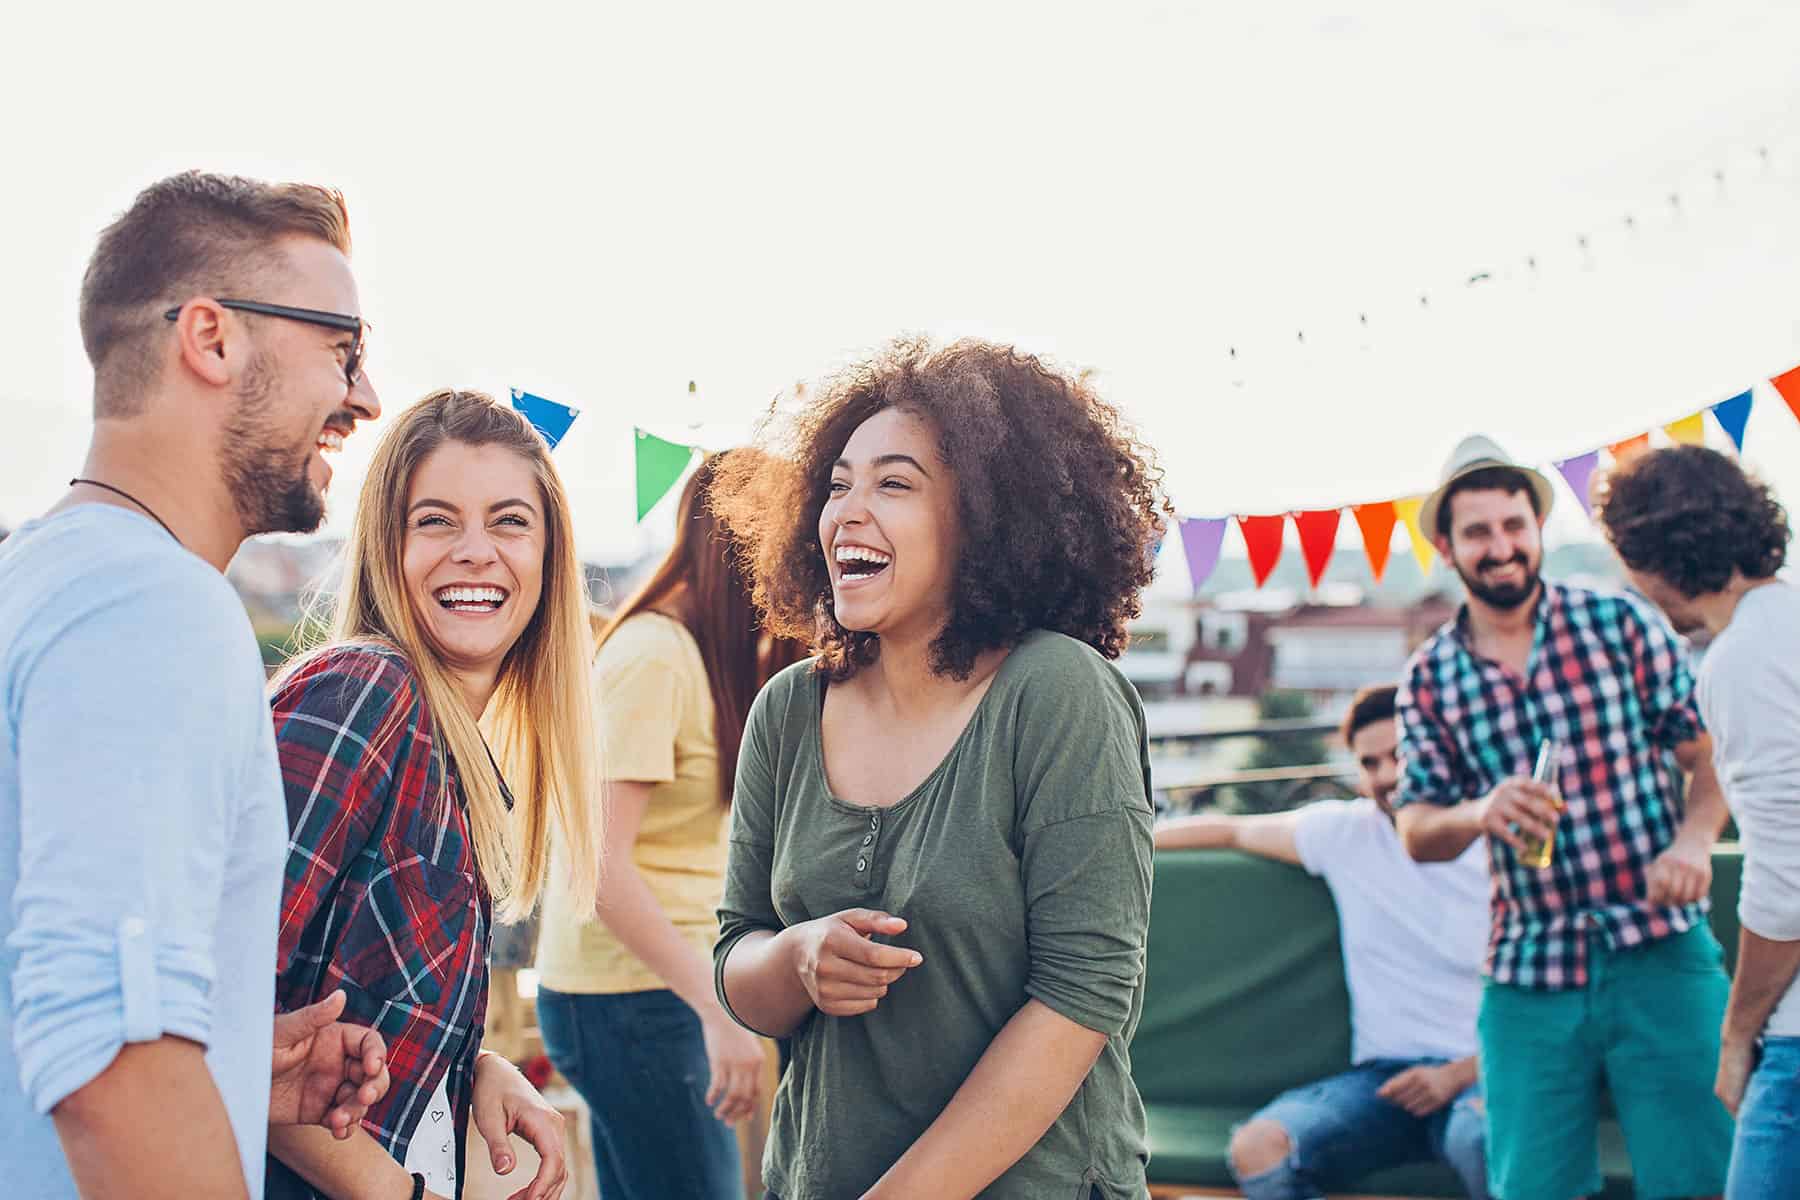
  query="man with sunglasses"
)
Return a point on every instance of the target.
[{"x": 143, "y": 827}]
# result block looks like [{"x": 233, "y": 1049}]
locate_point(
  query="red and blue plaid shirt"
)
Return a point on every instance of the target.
[
  {"x": 1608, "y": 679},
  {"x": 382, "y": 897}
]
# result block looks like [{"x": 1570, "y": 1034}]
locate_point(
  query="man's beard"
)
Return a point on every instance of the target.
[
  {"x": 270, "y": 486},
  {"x": 1503, "y": 596}
]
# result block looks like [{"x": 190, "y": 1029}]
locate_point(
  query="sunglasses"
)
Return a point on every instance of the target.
[{"x": 359, "y": 345}]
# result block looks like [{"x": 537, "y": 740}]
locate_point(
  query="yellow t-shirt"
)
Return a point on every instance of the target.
[{"x": 654, "y": 710}]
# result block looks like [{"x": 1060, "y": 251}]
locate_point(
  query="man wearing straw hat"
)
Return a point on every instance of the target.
[
  {"x": 1703, "y": 541},
  {"x": 1601, "y": 964}
]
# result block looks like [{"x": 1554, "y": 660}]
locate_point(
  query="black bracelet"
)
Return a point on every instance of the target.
[{"x": 418, "y": 1186}]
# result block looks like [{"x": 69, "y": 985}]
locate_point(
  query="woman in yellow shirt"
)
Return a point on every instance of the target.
[{"x": 627, "y": 1006}]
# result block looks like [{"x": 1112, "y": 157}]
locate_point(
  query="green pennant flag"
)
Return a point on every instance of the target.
[{"x": 660, "y": 466}]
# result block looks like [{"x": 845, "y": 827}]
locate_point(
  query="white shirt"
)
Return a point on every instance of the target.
[
  {"x": 432, "y": 1150},
  {"x": 1749, "y": 689},
  {"x": 1414, "y": 934}
]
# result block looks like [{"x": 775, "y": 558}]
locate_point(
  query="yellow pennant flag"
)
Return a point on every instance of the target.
[
  {"x": 1422, "y": 548},
  {"x": 1689, "y": 431}
]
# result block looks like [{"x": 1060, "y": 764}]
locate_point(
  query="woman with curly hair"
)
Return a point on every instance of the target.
[
  {"x": 939, "y": 878},
  {"x": 462, "y": 619},
  {"x": 1704, "y": 541}
]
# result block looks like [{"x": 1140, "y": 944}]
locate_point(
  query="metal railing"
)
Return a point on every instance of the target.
[{"x": 1188, "y": 786}]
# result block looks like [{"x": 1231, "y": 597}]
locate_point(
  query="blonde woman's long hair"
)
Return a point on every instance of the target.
[{"x": 540, "y": 718}]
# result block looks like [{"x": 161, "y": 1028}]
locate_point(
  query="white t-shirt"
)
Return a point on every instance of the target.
[
  {"x": 1414, "y": 934},
  {"x": 1749, "y": 689},
  {"x": 432, "y": 1150}
]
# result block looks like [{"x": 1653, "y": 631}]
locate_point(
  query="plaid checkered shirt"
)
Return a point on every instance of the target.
[
  {"x": 381, "y": 897},
  {"x": 1609, "y": 680}
]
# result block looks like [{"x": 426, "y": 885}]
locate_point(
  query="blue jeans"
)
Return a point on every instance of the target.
[
  {"x": 1765, "y": 1157},
  {"x": 1341, "y": 1130},
  {"x": 639, "y": 1060}
]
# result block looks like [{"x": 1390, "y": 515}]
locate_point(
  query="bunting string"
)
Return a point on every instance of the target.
[
  {"x": 1265, "y": 534},
  {"x": 1666, "y": 210}
]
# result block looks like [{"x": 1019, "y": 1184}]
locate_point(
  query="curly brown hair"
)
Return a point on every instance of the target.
[
  {"x": 1061, "y": 505},
  {"x": 1693, "y": 517}
]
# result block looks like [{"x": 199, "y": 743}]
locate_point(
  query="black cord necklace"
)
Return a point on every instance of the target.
[{"x": 117, "y": 491}]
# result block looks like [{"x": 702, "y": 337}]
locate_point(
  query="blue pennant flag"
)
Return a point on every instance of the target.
[
  {"x": 550, "y": 419},
  {"x": 1733, "y": 415}
]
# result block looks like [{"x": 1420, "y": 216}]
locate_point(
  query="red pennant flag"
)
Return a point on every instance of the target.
[
  {"x": 1788, "y": 384},
  {"x": 1623, "y": 452},
  {"x": 1262, "y": 538},
  {"x": 1318, "y": 538},
  {"x": 1377, "y": 524}
]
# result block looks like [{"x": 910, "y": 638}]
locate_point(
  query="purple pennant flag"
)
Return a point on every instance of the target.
[
  {"x": 1201, "y": 538},
  {"x": 1578, "y": 472}
]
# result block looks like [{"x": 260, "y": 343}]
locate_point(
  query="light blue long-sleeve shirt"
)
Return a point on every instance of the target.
[{"x": 142, "y": 828}]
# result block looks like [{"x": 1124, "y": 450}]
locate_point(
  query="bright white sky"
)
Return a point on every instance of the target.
[{"x": 602, "y": 204}]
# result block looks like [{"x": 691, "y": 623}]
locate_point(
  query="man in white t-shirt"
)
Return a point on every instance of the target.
[
  {"x": 1703, "y": 541},
  {"x": 1414, "y": 936}
]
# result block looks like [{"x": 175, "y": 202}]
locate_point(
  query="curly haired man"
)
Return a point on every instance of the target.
[{"x": 1703, "y": 541}]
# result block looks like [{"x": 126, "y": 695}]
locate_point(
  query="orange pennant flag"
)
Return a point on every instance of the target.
[
  {"x": 1318, "y": 538},
  {"x": 1689, "y": 431},
  {"x": 1377, "y": 524},
  {"x": 1623, "y": 452},
  {"x": 1788, "y": 384},
  {"x": 1423, "y": 550}
]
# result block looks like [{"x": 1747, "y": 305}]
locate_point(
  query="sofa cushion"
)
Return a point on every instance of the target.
[
  {"x": 1188, "y": 1145},
  {"x": 1245, "y": 993},
  {"x": 1245, "y": 998}
]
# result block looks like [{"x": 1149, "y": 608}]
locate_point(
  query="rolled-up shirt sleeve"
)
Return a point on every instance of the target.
[
  {"x": 125, "y": 802},
  {"x": 1087, "y": 885},
  {"x": 1429, "y": 771},
  {"x": 1087, "y": 847},
  {"x": 748, "y": 904}
]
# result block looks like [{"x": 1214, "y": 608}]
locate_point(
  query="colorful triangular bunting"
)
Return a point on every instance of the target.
[
  {"x": 1578, "y": 473},
  {"x": 1201, "y": 538},
  {"x": 1262, "y": 538},
  {"x": 1689, "y": 431},
  {"x": 1788, "y": 384},
  {"x": 550, "y": 419},
  {"x": 1318, "y": 539},
  {"x": 1377, "y": 524},
  {"x": 1733, "y": 416},
  {"x": 1630, "y": 448},
  {"x": 1408, "y": 512},
  {"x": 660, "y": 466}
]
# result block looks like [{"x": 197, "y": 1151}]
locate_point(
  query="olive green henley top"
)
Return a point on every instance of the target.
[{"x": 1022, "y": 865}]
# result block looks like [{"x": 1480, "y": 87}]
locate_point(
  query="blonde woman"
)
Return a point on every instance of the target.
[{"x": 461, "y": 624}]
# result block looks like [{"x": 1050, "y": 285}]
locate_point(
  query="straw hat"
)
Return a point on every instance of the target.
[{"x": 1477, "y": 453}]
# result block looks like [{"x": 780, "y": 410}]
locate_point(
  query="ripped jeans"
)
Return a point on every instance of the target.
[{"x": 1340, "y": 1130}]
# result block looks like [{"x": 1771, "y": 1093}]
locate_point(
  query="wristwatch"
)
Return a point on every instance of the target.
[{"x": 418, "y": 1186}]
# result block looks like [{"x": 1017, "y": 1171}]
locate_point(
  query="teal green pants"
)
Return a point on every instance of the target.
[{"x": 1646, "y": 1027}]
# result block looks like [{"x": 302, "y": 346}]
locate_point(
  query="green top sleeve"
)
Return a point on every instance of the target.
[
  {"x": 1085, "y": 823},
  {"x": 747, "y": 905}
]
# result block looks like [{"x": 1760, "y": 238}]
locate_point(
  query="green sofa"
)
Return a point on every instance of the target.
[{"x": 1246, "y": 998}]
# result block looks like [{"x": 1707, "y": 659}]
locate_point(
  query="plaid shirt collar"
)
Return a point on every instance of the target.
[{"x": 1610, "y": 682}]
